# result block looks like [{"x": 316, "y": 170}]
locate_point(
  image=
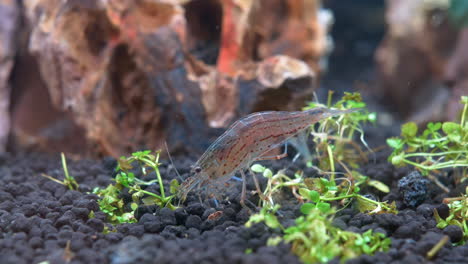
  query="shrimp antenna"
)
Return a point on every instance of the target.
[{"x": 172, "y": 162}]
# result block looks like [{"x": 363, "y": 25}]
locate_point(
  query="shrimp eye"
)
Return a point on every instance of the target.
[{"x": 197, "y": 169}]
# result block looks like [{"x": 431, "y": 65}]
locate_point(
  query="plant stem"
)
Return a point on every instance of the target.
[
  {"x": 64, "y": 164},
  {"x": 71, "y": 183},
  {"x": 465, "y": 109},
  {"x": 156, "y": 169},
  {"x": 435, "y": 154},
  {"x": 329, "y": 99},
  {"x": 442, "y": 165},
  {"x": 332, "y": 162},
  {"x": 339, "y": 197},
  {"x": 437, "y": 247},
  {"x": 154, "y": 166}
]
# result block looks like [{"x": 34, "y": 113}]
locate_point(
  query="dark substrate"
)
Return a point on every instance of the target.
[{"x": 38, "y": 217}]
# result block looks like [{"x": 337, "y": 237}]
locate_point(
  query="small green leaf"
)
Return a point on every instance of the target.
[
  {"x": 395, "y": 143},
  {"x": 451, "y": 127},
  {"x": 273, "y": 241},
  {"x": 434, "y": 126},
  {"x": 174, "y": 186},
  {"x": 379, "y": 186},
  {"x": 453, "y": 131},
  {"x": 124, "y": 165},
  {"x": 256, "y": 218},
  {"x": 356, "y": 97},
  {"x": 257, "y": 168},
  {"x": 271, "y": 221},
  {"x": 409, "y": 130},
  {"x": 267, "y": 173},
  {"x": 122, "y": 178},
  {"x": 134, "y": 206},
  {"x": 464, "y": 100},
  {"x": 324, "y": 207},
  {"x": 372, "y": 117},
  {"x": 307, "y": 208},
  {"x": 398, "y": 160},
  {"x": 151, "y": 200},
  {"x": 314, "y": 196},
  {"x": 304, "y": 192},
  {"x": 324, "y": 181}
]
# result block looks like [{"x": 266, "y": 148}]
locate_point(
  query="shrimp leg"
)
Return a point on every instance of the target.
[
  {"x": 244, "y": 187},
  {"x": 276, "y": 157},
  {"x": 257, "y": 186}
]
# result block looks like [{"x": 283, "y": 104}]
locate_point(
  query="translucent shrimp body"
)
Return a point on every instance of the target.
[{"x": 246, "y": 141}]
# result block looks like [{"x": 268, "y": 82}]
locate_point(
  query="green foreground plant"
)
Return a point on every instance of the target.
[
  {"x": 458, "y": 214},
  {"x": 69, "y": 180},
  {"x": 111, "y": 201},
  {"x": 319, "y": 192},
  {"x": 440, "y": 146},
  {"x": 334, "y": 136},
  {"x": 314, "y": 239}
]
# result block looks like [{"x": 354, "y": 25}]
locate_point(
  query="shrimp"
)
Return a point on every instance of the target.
[{"x": 248, "y": 140}]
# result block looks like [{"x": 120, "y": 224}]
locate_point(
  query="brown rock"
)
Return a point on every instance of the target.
[
  {"x": 413, "y": 55},
  {"x": 9, "y": 20}
]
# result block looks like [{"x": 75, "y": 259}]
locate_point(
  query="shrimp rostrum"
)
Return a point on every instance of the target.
[{"x": 247, "y": 141}]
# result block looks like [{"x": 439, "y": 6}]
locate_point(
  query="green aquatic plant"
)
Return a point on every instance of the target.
[
  {"x": 320, "y": 191},
  {"x": 458, "y": 214},
  {"x": 111, "y": 201},
  {"x": 69, "y": 180},
  {"x": 439, "y": 146},
  {"x": 314, "y": 239},
  {"x": 334, "y": 137}
]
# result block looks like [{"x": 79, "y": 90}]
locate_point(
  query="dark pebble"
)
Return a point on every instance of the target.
[
  {"x": 144, "y": 209},
  {"x": 76, "y": 244},
  {"x": 114, "y": 237},
  {"x": 136, "y": 230},
  {"x": 151, "y": 223},
  {"x": 81, "y": 212},
  {"x": 243, "y": 215},
  {"x": 360, "y": 220},
  {"x": 20, "y": 223},
  {"x": 181, "y": 215},
  {"x": 425, "y": 210},
  {"x": 28, "y": 210},
  {"x": 36, "y": 242},
  {"x": 389, "y": 222},
  {"x": 167, "y": 216},
  {"x": 91, "y": 205},
  {"x": 192, "y": 233},
  {"x": 173, "y": 231},
  {"x": 193, "y": 221},
  {"x": 85, "y": 229},
  {"x": 7, "y": 205},
  {"x": 413, "y": 188},
  {"x": 339, "y": 223},
  {"x": 454, "y": 232},
  {"x": 443, "y": 210},
  {"x": 96, "y": 224},
  {"x": 69, "y": 197},
  {"x": 410, "y": 230},
  {"x": 65, "y": 219},
  {"x": 207, "y": 213},
  {"x": 195, "y": 209}
]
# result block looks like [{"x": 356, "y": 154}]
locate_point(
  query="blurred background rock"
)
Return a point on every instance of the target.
[{"x": 108, "y": 77}]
